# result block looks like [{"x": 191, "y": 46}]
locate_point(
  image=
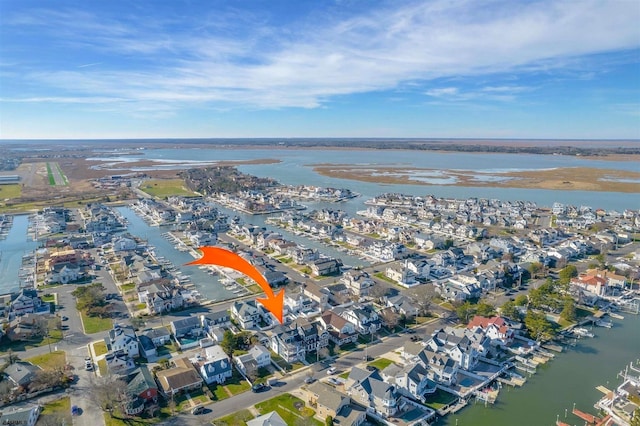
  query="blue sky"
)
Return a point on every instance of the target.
[{"x": 346, "y": 68}]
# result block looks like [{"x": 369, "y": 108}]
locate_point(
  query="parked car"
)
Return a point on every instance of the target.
[
  {"x": 65, "y": 318},
  {"x": 75, "y": 410},
  {"x": 197, "y": 410},
  {"x": 309, "y": 380},
  {"x": 332, "y": 370},
  {"x": 334, "y": 381},
  {"x": 88, "y": 364},
  {"x": 259, "y": 387}
]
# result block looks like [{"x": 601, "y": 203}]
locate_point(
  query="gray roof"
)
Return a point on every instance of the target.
[
  {"x": 21, "y": 372},
  {"x": 327, "y": 395},
  {"x": 19, "y": 416},
  {"x": 269, "y": 419}
]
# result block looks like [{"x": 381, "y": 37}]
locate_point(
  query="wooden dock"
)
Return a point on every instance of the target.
[{"x": 589, "y": 418}]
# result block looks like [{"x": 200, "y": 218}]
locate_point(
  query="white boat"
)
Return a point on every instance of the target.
[
  {"x": 582, "y": 332},
  {"x": 604, "y": 323}
]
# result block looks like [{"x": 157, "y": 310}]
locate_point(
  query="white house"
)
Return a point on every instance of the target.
[{"x": 217, "y": 366}]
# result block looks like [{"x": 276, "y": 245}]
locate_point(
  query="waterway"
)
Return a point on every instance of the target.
[
  {"x": 207, "y": 285},
  {"x": 12, "y": 248},
  {"x": 571, "y": 377},
  {"x": 296, "y": 168}
]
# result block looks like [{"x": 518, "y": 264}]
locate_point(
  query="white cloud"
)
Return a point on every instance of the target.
[{"x": 255, "y": 64}]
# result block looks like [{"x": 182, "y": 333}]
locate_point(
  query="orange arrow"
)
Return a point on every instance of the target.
[{"x": 221, "y": 257}]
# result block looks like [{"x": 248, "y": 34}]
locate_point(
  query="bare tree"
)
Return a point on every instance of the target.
[
  {"x": 107, "y": 392},
  {"x": 378, "y": 290},
  {"x": 423, "y": 296}
]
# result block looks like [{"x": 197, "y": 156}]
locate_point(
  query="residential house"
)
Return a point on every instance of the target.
[
  {"x": 217, "y": 366},
  {"x": 186, "y": 326},
  {"x": 325, "y": 400},
  {"x": 441, "y": 368},
  {"x": 371, "y": 391},
  {"x": 119, "y": 362},
  {"x": 27, "y": 301},
  {"x": 357, "y": 282},
  {"x": 316, "y": 293},
  {"x": 63, "y": 274},
  {"x": 21, "y": 373},
  {"x": 159, "y": 336},
  {"x": 412, "y": 380},
  {"x": 214, "y": 320},
  {"x": 20, "y": 416},
  {"x": 341, "y": 331},
  {"x": 401, "y": 275},
  {"x": 269, "y": 419},
  {"x": 123, "y": 338},
  {"x": 26, "y": 327},
  {"x": 183, "y": 377},
  {"x": 363, "y": 317},
  {"x": 140, "y": 383},
  {"x": 257, "y": 357},
  {"x": 403, "y": 305},
  {"x": 288, "y": 343},
  {"x": 246, "y": 314},
  {"x": 495, "y": 328},
  {"x": 147, "y": 348},
  {"x": 325, "y": 266}
]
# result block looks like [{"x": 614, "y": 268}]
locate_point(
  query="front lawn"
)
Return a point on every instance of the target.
[
  {"x": 49, "y": 361},
  {"x": 128, "y": 287},
  {"x": 381, "y": 363},
  {"x": 237, "y": 384},
  {"x": 48, "y": 297},
  {"x": 218, "y": 391},
  {"x": 383, "y": 277},
  {"x": 102, "y": 367},
  {"x": 100, "y": 348},
  {"x": 183, "y": 403},
  {"x": 95, "y": 324},
  {"x": 57, "y": 412},
  {"x": 239, "y": 418},
  {"x": 290, "y": 408}
]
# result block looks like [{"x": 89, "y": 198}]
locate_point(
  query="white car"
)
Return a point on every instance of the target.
[{"x": 332, "y": 370}]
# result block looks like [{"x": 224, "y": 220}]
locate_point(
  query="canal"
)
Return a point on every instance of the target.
[
  {"x": 208, "y": 285},
  {"x": 571, "y": 377},
  {"x": 12, "y": 248}
]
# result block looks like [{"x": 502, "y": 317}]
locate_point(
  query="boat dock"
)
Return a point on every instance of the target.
[
  {"x": 552, "y": 347},
  {"x": 589, "y": 418}
]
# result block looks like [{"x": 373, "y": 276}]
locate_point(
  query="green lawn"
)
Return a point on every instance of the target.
[
  {"x": 100, "y": 348},
  {"x": 237, "y": 384},
  {"x": 182, "y": 403},
  {"x": 52, "y": 181},
  {"x": 48, "y": 298},
  {"x": 383, "y": 277},
  {"x": 381, "y": 363},
  {"x": 95, "y": 324},
  {"x": 57, "y": 412},
  {"x": 344, "y": 375},
  {"x": 290, "y": 408},
  {"x": 239, "y": 418},
  {"x": 439, "y": 399},
  {"x": 102, "y": 366},
  {"x": 165, "y": 187},
  {"x": 218, "y": 392},
  {"x": 10, "y": 191},
  {"x": 128, "y": 287},
  {"x": 49, "y": 361}
]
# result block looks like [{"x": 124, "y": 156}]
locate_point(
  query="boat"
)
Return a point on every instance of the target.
[
  {"x": 604, "y": 323},
  {"x": 582, "y": 332}
]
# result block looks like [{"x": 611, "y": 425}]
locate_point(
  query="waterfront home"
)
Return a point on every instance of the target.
[
  {"x": 217, "y": 366},
  {"x": 124, "y": 244},
  {"x": 440, "y": 368},
  {"x": 411, "y": 380},
  {"x": 303, "y": 255},
  {"x": 119, "y": 362},
  {"x": 463, "y": 345},
  {"x": 245, "y": 314},
  {"x": 362, "y": 316},
  {"x": 63, "y": 274},
  {"x": 21, "y": 374},
  {"x": 329, "y": 403},
  {"x": 371, "y": 391},
  {"x": 325, "y": 266},
  {"x": 341, "y": 331},
  {"x": 183, "y": 377},
  {"x": 27, "y": 416},
  {"x": 123, "y": 338},
  {"x": 495, "y": 328}
]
